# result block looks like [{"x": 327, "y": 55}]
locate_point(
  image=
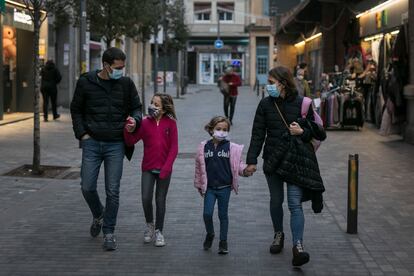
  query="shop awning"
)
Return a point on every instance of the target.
[{"x": 300, "y": 20}]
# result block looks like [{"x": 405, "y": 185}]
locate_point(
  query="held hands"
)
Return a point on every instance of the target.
[
  {"x": 249, "y": 170},
  {"x": 295, "y": 129},
  {"x": 130, "y": 124}
]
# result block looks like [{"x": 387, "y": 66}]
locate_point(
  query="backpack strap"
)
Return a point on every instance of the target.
[{"x": 306, "y": 103}]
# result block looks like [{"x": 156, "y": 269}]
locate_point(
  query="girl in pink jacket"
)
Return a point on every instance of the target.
[
  {"x": 218, "y": 165},
  {"x": 158, "y": 131}
]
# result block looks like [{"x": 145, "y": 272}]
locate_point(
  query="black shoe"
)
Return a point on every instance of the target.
[
  {"x": 109, "y": 243},
  {"x": 223, "y": 250},
  {"x": 278, "y": 243},
  {"x": 96, "y": 226},
  {"x": 56, "y": 117},
  {"x": 208, "y": 241},
  {"x": 300, "y": 257}
]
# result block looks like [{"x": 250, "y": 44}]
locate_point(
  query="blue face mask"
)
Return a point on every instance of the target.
[
  {"x": 272, "y": 90},
  {"x": 116, "y": 74}
]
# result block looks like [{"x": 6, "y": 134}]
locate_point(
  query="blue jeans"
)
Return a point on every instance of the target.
[
  {"x": 93, "y": 154},
  {"x": 294, "y": 196},
  {"x": 222, "y": 196}
]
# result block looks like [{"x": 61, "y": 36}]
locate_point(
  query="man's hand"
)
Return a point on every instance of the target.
[
  {"x": 200, "y": 191},
  {"x": 230, "y": 83},
  {"x": 131, "y": 124},
  {"x": 250, "y": 169},
  {"x": 85, "y": 137}
]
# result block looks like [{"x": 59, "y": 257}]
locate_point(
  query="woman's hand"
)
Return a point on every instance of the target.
[
  {"x": 295, "y": 129},
  {"x": 250, "y": 170}
]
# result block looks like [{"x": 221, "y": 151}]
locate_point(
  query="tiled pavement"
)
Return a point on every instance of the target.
[{"x": 44, "y": 223}]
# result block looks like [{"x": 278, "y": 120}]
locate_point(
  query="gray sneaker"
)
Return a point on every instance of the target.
[{"x": 109, "y": 243}]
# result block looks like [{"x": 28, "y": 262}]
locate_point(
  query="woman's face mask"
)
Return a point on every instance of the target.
[{"x": 272, "y": 90}]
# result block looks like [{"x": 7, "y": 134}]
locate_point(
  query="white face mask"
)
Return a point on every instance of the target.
[
  {"x": 300, "y": 77},
  {"x": 220, "y": 135}
]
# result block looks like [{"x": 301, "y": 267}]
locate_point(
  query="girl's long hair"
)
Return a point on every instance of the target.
[
  {"x": 285, "y": 77},
  {"x": 167, "y": 104}
]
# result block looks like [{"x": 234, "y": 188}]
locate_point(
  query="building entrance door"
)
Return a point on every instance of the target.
[
  {"x": 210, "y": 64},
  {"x": 262, "y": 63}
]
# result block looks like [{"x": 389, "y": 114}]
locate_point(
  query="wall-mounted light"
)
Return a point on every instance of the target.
[
  {"x": 378, "y": 8},
  {"x": 303, "y": 42},
  {"x": 374, "y": 37}
]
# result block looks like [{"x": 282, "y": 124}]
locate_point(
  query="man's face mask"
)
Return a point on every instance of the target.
[{"x": 115, "y": 74}]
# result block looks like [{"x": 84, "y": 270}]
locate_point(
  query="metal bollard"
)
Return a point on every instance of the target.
[{"x": 352, "y": 219}]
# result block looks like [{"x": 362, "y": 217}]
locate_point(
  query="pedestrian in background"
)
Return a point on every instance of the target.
[
  {"x": 301, "y": 84},
  {"x": 158, "y": 132},
  {"x": 50, "y": 79},
  {"x": 233, "y": 80},
  {"x": 269, "y": 128},
  {"x": 217, "y": 167},
  {"x": 101, "y": 103}
]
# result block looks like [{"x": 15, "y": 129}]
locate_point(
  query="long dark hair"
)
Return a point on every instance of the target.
[
  {"x": 285, "y": 77},
  {"x": 167, "y": 104}
]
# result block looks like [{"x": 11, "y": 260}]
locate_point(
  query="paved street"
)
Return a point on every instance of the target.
[{"x": 45, "y": 223}]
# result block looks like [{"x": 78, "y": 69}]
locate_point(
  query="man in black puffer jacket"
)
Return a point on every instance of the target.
[{"x": 101, "y": 103}]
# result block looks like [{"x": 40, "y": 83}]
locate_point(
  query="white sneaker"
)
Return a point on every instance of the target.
[
  {"x": 159, "y": 239},
  {"x": 149, "y": 233}
]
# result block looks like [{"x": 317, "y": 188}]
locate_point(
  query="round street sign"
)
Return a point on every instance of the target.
[{"x": 218, "y": 44}]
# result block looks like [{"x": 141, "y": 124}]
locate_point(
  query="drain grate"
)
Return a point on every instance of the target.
[
  {"x": 71, "y": 175},
  {"x": 53, "y": 172},
  {"x": 186, "y": 155}
]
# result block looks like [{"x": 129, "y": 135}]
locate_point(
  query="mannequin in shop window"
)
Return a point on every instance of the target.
[{"x": 50, "y": 79}]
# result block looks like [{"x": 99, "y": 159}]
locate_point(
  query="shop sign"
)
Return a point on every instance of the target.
[
  {"x": 381, "y": 19},
  {"x": 22, "y": 17},
  {"x": 2, "y": 5}
]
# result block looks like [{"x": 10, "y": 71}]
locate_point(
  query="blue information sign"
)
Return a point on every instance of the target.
[{"x": 218, "y": 44}]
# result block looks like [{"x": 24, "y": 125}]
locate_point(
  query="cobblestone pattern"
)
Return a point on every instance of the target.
[{"x": 45, "y": 223}]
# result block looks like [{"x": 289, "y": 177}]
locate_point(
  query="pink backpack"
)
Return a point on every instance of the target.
[{"x": 306, "y": 104}]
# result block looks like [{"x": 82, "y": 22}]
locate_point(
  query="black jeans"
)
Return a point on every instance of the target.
[
  {"x": 148, "y": 181},
  {"x": 52, "y": 95},
  {"x": 229, "y": 101}
]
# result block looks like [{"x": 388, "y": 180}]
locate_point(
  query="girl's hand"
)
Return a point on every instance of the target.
[
  {"x": 131, "y": 124},
  {"x": 295, "y": 129}
]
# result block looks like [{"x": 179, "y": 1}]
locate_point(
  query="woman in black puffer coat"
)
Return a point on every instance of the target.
[{"x": 270, "y": 129}]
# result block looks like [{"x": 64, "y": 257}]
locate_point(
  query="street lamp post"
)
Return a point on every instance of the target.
[{"x": 218, "y": 49}]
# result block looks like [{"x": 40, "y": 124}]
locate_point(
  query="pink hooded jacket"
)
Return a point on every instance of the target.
[{"x": 236, "y": 164}]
